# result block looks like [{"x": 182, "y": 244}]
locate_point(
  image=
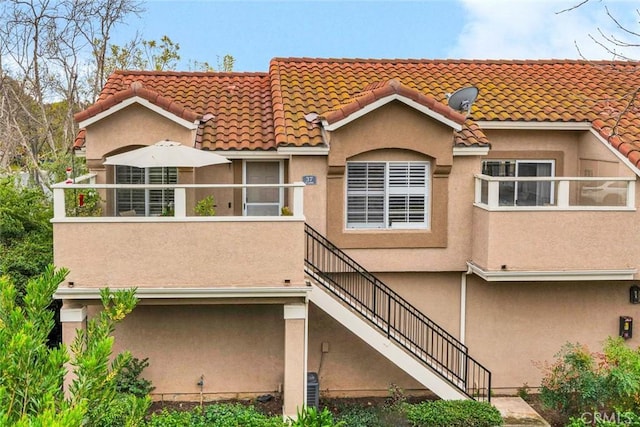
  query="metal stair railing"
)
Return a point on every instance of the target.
[{"x": 395, "y": 317}]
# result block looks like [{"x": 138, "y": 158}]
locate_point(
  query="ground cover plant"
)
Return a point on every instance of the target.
[{"x": 426, "y": 414}]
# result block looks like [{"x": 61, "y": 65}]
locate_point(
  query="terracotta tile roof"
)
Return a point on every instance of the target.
[
  {"x": 80, "y": 138},
  {"x": 234, "y": 108},
  {"x": 533, "y": 91},
  {"x": 470, "y": 135},
  {"x": 254, "y": 111}
]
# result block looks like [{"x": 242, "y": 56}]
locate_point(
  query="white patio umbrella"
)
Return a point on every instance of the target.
[{"x": 167, "y": 154}]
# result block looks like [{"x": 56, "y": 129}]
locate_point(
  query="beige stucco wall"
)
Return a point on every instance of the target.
[
  {"x": 553, "y": 240},
  {"x": 133, "y": 125},
  {"x": 511, "y": 327},
  {"x": 350, "y": 367},
  {"x": 223, "y": 197},
  {"x": 598, "y": 160},
  {"x": 238, "y": 348},
  {"x": 181, "y": 254},
  {"x": 315, "y": 196}
]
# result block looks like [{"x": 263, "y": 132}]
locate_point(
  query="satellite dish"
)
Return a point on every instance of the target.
[{"x": 462, "y": 99}]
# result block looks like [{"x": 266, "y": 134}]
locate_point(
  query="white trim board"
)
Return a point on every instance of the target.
[
  {"x": 192, "y": 293},
  {"x": 523, "y": 125},
  {"x": 470, "y": 151},
  {"x": 551, "y": 276}
]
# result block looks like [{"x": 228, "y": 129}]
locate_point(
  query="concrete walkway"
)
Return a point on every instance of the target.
[{"x": 517, "y": 413}]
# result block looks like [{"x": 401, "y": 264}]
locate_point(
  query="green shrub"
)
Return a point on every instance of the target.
[
  {"x": 217, "y": 415},
  {"x": 31, "y": 373},
  {"x": 92, "y": 202},
  {"x": 621, "y": 366},
  {"x": 206, "y": 207},
  {"x": 128, "y": 378},
  {"x": 312, "y": 417},
  {"x": 175, "y": 419},
  {"x": 126, "y": 410},
  {"x": 358, "y": 416},
  {"x": 232, "y": 415},
  {"x": 572, "y": 384},
  {"x": 611, "y": 419},
  {"x": 579, "y": 381},
  {"x": 452, "y": 413}
]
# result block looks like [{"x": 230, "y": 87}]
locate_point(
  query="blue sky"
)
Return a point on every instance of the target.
[{"x": 256, "y": 31}]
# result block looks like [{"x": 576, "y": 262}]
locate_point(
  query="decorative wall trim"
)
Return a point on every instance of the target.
[
  {"x": 552, "y": 275},
  {"x": 192, "y": 293},
  {"x": 295, "y": 311},
  {"x": 73, "y": 314}
]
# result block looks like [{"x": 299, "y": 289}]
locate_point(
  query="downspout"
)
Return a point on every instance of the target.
[{"x": 463, "y": 304}]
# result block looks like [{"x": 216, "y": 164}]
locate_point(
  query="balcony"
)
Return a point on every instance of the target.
[
  {"x": 562, "y": 228},
  {"x": 177, "y": 251}
]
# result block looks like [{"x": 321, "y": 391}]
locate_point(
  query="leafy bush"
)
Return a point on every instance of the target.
[
  {"x": 217, "y": 415},
  {"x": 358, "y": 416},
  {"x": 621, "y": 369},
  {"x": 31, "y": 374},
  {"x": 312, "y": 417},
  {"x": 175, "y": 419},
  {"x": 206, "y": 206},
  {"x": 91, "y": 202},
  {"x": 232, "y": 415},
  {"x": 611, "y": 419},
  {"x": 126, "y": 410},
  {"x": 26, "y": 234},
  {"x": 579, "y": 381},
  {"x": 572, "y": 384},
  {"x": 452, "y": 413},
  {"x": 128, "y": 378}
]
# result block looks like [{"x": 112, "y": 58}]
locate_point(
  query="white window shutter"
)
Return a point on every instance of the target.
[{"x": 387, "y": 195}]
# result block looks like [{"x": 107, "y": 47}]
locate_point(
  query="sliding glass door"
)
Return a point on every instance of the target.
[{"x": 522, "y": 193}]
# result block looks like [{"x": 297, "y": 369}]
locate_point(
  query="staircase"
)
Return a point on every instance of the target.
[{"x": 390, "y": 324}]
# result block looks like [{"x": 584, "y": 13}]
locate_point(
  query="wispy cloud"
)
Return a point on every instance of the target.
[{"x": 534, "y": 29}]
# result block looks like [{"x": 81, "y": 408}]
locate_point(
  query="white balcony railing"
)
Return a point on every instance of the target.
[
  {"x": 554, "y": 193},
  {"x": 63, "y": 211}
]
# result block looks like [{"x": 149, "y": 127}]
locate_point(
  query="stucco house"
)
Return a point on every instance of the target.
[{"x": 434, "y": 248}]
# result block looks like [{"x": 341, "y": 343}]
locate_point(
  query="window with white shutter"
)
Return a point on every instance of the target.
[
  {"x": 145, "y": 202},
  {"x": 387, "y": 194}
]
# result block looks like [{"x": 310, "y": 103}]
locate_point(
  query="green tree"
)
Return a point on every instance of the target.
[
  {"x": 26, "y": 234},
  {"x": 31, "y": 374}
]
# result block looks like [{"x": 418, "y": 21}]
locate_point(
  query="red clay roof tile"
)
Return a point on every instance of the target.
[
  {"x": 217, "y": 100},
  {"x": 261, "y": 111}
]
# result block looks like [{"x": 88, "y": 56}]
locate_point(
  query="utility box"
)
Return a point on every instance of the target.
[
  {"x": 313, "y": 390},
  {"x": 626, "y": 327}
]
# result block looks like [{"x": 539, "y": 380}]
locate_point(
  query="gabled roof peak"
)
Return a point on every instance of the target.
[
  {"x": 137, "y": 89},
  {"x": 376, "y": 93}
]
